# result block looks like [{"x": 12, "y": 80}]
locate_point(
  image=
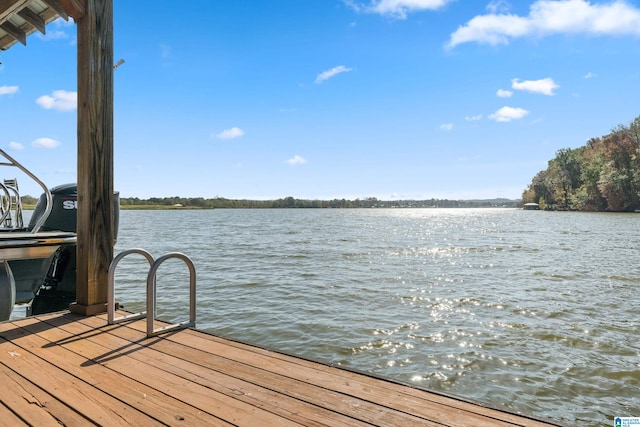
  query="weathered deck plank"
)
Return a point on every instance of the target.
[
  {"x": 298, "y": 401},
  {"x": 62, "y": 375},
  {"x": 9, "y": 418},
  {"x": 174, "y": 388},
  {"x": 34, "y": 405},
  {"x": 72, "y": 370},
  {"x": 309, "y": 382},
  {"x": 145, "y": 405}
]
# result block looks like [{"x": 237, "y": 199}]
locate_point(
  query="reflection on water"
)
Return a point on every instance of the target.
[{"x": 526, "y": 310}]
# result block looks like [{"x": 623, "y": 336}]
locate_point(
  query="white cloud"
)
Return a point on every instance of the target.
[
  {"x": 60, "y": 100},
  {"x": 548, "y": 17},
  {"x": 326, "y": 75},
  {"x": 58, "y": 30},
  {"x": 45, "y": 143},
  {"x": 396, "y": 8},
  {"x": 234, "y": 132},
  {"x": 473, "y": 118},
  {"x": 15, "y": 146},
  {"x": 54, "y": 35},
  {"x": 506, "y": 114},
  {"x": 502, "y": 93},
  {"x": 498, "y": 6},
  {"x": 296, "y": 160},
  {"x": 446, "y": 127},
  {"x": 543, "y": 86},
  {"x": 590, "y": 75},
  {"x": 8, "y": 90}
]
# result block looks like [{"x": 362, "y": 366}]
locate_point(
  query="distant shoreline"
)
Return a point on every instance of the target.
[
  {"x": 178, "y": 203},
  {"x": 193, "y": 208}
]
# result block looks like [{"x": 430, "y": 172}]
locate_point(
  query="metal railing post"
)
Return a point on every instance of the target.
[
  {"x": 111, "y": 303},
  {"x": 151, "y": 295},
  {"x": 150, "y": 312}
]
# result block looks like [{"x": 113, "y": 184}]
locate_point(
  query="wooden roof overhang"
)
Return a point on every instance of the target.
[
  {"x": 20, "y": 18},
  {"x": 95, "y": 225}
]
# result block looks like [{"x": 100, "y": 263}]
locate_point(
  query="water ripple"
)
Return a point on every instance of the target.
[{"x": 530, "y": 311}]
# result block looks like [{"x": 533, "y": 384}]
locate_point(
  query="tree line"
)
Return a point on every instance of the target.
[
  {"x": 602, "y": 175},
  {"x": 291, "y": 202}
]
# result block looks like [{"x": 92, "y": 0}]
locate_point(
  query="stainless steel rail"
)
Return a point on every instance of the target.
[
  {"x": 47, "y": 211},
  {"x": 151, "y": 304},
  {"x": 111, "y": 303},
  {"x": 151, "y": 296}
]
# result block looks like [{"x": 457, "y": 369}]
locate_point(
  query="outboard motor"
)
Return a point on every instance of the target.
[
  {"x": 63, "y": 216},
  {"x": 64, "y": 205},
  {"x": 59, "y": 287}
]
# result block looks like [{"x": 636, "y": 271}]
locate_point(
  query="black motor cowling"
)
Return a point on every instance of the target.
[
  {"x": 58, "y": 288},
  {"x": 63, "y": 216}
]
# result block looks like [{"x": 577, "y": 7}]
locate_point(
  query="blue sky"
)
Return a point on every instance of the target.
[{"x": 323, "y": 99}]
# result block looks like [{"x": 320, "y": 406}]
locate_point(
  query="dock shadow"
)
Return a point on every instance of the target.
[
  {"x": 16, "y": 328},
  {"x": 127, "y": 349}
]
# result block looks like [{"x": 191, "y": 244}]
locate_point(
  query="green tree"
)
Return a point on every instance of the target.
[{"x": 602, "y": 175}]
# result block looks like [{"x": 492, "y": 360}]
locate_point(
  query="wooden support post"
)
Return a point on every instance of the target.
[{"x": 95, "y": 156}]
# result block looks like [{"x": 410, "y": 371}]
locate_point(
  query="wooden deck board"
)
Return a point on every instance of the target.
[
  {"x": 301, "y": 382},
  {"x": 299, "y": 401},
  {"x": 33, "y": 404},
  {"x": 64, "y": 378},
  {"x": 64, "y": 369},
  {"x": 9, "y": 418},
  {"x": 178, "y": 388}
]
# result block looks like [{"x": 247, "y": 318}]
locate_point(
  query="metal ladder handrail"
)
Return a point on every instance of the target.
[
  {"x": 150, "y": 312},
  {"x": 111, "y": 303},
  {"x": 49, "y": 201},
  {"x": 151, "y": 296},
  {"x": 5, "y": 206},
  {"x": 15, "y": 203}
]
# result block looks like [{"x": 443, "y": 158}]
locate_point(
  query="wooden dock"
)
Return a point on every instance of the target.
[{"x": 66, "y": 369}]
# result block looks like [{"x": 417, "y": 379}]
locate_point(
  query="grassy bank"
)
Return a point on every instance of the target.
[{"x": 157, "y": 207}]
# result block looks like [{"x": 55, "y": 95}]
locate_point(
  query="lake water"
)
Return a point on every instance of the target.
[{"x": 530, "y": 311}]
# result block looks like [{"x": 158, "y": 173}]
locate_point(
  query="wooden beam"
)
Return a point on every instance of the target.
[
  {"x": 9, "y": 7},
  {"x": 14, "y": 32},
  {"x": 34, "y": 19},
  {"x": 48, "y": 15},
  {"x": 55, "y": 5},
  {"x": 73, "y": 8},
  {"x": 95, "y": 156}
]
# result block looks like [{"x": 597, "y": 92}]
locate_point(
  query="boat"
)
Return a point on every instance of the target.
[
  {"x": 38, "y": 260},
  {"x": 531, "y": 207}
]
